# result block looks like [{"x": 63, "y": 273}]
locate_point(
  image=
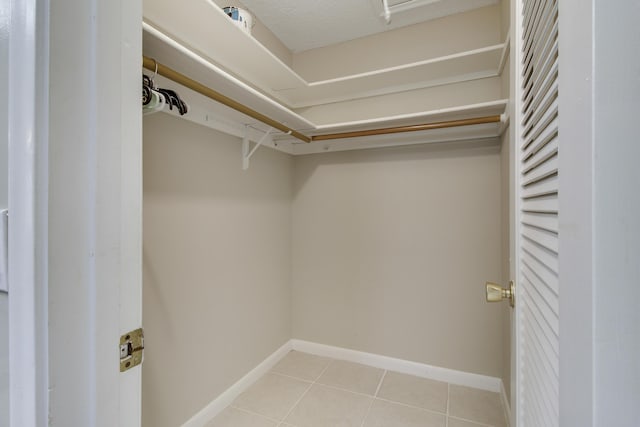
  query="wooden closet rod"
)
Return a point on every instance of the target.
[
  {"x": 412, "y": 128},
  {"x": 180, "y": 78}
]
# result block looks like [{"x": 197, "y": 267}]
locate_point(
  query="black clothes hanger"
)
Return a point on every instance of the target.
[{"x": 171, "y": 97}]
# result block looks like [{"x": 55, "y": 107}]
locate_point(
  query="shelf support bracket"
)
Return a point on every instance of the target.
[
  {"x": 386, "y": 11},
  {"x": 246, "y": 145}
]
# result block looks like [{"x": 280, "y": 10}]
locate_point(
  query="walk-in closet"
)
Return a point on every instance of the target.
[
  {"x": 325, "y": 266},
  {"x": 301, "y": 213}
]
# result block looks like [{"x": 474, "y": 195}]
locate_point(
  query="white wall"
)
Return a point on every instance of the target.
[
  {"x": 431, "y": 39},
  {"x": 427, "y": 99},
  {"x": 4, "y": 308},
  {"x": 216, "y": 265},
  {"x": 617, "y": 211},
  {"x": 261, "y": 33},
  {"x": 391, "y": 249}
]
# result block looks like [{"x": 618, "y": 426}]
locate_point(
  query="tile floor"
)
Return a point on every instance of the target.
[{"x": 304, "y": 390}]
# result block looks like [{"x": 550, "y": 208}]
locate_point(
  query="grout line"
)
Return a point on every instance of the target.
[
  {"x": 374, "y": 398},
  {"x": 446, "y": 422},
  {"x": 384, "y": 374},
  {"x": 291, "y": 377},
  {"x": 411, "y": 406},
  {"x": 252, "y": 413},
  {"x": 369, "y": 395},
  {"x": 281, "y": 423},
  {"x": 305, "y": 393},
  {"x": 364, "y": 419},
  {"x": 344, "y": 389},
  {"x": 473, "y": 422},
  {"x": 296, "y": 403}
]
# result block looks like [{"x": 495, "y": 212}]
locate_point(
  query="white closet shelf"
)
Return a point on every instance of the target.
[
  {"x": 493, "y": 108},
  {"x": 214, "y": 115},
  {"x": 172, "y": 51},
  {"x": 484, "y": 134},
  {"x": 173, "y": 54},
  {"x": 202, "y": 27}
]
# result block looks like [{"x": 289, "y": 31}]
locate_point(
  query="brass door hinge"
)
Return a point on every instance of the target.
[{"x": 131, "y": 349}]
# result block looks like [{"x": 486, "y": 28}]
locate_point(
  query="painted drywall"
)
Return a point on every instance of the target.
[
  {"x": 440, "y": 37},
  {"x": 216, "y": 265},
  {"x": 506, "y": 79},
  {"x": 505, "y": 18},
  {"x": 617, "y": 209},
  {"x": 428, "y": 99},
  {"x": 262, "y": 34},
  {"x": 391, "y": 249}
]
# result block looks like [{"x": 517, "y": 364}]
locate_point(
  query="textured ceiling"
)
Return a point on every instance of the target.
[{"x": 307, "y": 24}]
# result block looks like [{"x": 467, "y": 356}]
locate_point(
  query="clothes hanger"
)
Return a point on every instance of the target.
[{"x": 154, "y": 98}]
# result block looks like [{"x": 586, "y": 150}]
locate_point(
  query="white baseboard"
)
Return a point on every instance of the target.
[
  {"x": 221, "y": 402},
  {"x": 422, "y": 370}
]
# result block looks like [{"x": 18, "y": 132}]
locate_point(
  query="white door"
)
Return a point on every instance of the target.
[
  {"x": 535, "y": 226},
  {"x": 75, "y": 197}
]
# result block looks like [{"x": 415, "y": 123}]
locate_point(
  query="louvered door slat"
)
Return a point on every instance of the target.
[
  {"x": 541, "y": 46},
  {"x": 543, "y": 138},
  {"x": 544, "y": 46},
  {"x": 548, "y": 290},
  {"x": 545, "y": 188},
  {"x": 546, "y": 204},
  {"x": 540, "y": 171},
  {"x": 546, "y": 123},
  {"x": 545, "y": 394},
  {"x": 535, "y": 85},
  {"x": 548, "y": 276},
  {"x": 539, "y": 43},
  {"x": 543, "y": 98},
  {"x": 543, "y": 144},
  {"x": 539, "y": 379},
  {"x": 544, "y": 335},
  {"x": 549, "y": 321},
  {"x": 546, "y": 222},
  {"x": 545, "y": 239},
  {"x": 539, "y": 241}
]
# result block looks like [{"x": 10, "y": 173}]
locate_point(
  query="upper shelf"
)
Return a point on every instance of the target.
[{"x": 202, "y": 27}]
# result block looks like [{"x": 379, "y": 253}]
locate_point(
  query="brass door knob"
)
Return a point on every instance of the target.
[{"x": 496, "y": 293}]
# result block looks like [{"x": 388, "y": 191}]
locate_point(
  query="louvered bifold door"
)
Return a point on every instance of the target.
[{"x": 538, "y": 215}]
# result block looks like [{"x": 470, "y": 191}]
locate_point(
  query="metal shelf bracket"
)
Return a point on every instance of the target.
[{"x": 247, "y": 152}]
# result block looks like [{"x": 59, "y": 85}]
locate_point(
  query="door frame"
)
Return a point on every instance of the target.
[
  {"x": 515, "y": 56},
  {"x": 27, "y": 195},
  {"x": 75, "y": 200},
  {"x": 577, "y": 209},
  {"x": 31, "y": 361}
]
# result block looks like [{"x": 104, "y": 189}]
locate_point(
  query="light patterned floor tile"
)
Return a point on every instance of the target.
[
  {"x": 414, "y": 391},
  {"x": 329, "y": 407},
  {"x": 476, "y": 405},
  {"x": 387, "y": 414},
  {"x": 302, "y": 365},
  {"x": 352, "y": 376},
  {"x": 272, "y": 396},
  {"x": 454, "y": 422},
  {"x": 232, "y": 417}
]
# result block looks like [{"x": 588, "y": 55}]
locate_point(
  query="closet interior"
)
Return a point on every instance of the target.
[{"x": 321, "y": 193}]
